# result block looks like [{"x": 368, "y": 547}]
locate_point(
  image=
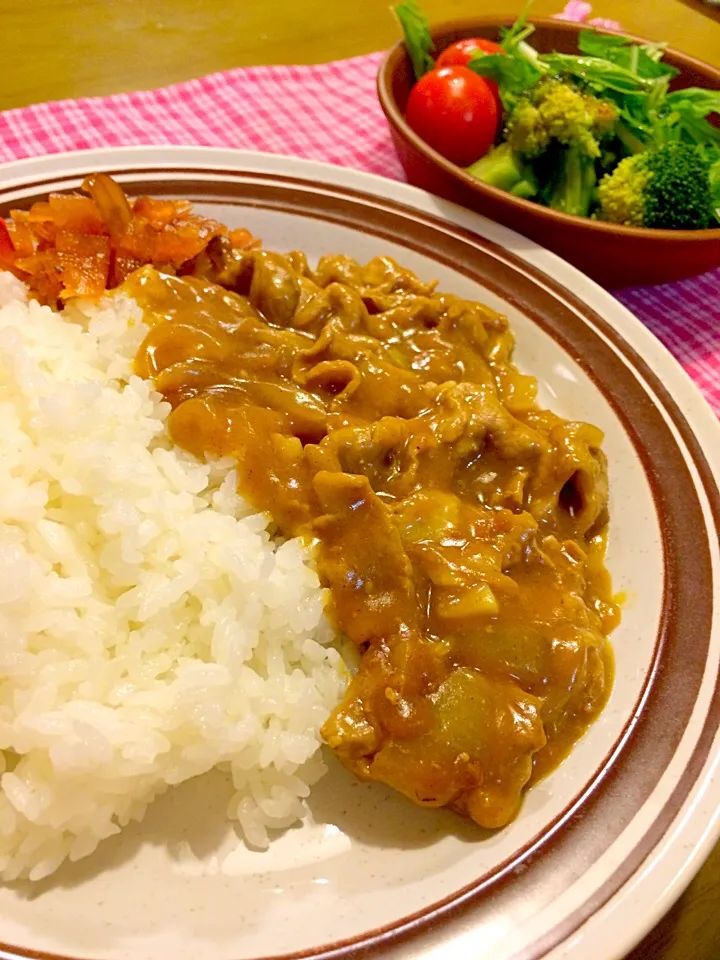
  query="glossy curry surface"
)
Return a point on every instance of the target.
[{"x": 459, "y": 528}]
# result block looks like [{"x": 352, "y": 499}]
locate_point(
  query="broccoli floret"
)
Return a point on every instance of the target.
[
  {"x": 667, "y": 188},
  {"x": 504, "y": 168},
  {"x": 557, "y": 111},
  {"x": 604, "y": 117},
  {"x": 572, "y": 189},
  {"x": 526, "y": 133}
]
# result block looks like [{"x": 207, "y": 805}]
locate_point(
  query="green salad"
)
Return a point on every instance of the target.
[{"x": 597, "y": 134}]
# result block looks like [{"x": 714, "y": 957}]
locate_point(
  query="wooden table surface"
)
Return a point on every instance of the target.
[
  {"x": 72, "y": 48},
  {"x": 69, "y": 48}
]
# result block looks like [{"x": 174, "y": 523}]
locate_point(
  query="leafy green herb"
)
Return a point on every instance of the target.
[
  {"x": 512, "y": 76},
  {"x": 633, "y": 133},
  {"x": 519, "y": 68},
  {"x": 598, "y": 73},
  {"x": 685, "y": 117},
  {"x": 418, "y": 39},
  {"x": 607, "y": 45},
  {"x": 518, "y": 32},
  {"x": 514, "y": 40},
  {"x": 641, "y": 61},
  {"x": 694, "y": 101}
]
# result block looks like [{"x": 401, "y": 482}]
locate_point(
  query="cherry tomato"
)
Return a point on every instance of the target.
[
  {"x": 462, "y": 52},
  {"x": 454, "y": 111}
]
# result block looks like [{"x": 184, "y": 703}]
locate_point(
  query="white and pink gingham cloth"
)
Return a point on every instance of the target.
[{"x": 328, "y": 112}]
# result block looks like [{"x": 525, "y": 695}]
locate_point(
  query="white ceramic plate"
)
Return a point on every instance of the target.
[{"x": 605, "y": 844}]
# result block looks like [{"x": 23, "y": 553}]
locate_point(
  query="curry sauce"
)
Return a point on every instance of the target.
[{"x": 459, "y": 528}]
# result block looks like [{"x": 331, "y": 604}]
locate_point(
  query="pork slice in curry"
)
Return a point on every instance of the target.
[{"x": 459, "y": 528}]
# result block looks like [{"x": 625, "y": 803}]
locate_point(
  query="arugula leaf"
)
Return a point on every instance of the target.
[
  {"x": 594, "y": 44},
  {"x": 686, "y": 114},
  {"x": 517, "y": 69},
  {"x": 599, "y": 73},
  {"x": 644, "y": 65},
  {"x": 514, "y": 39},
  {"x": 674, "y": 126},
  {"x": 642, "y": 61},
  {"x": 658, "y": 94},
  {"x": 633, "y": 138},
  {"x": 695, "y": 101},
  {"x": 519, "y": 31},
  {"x": 512, "y": 76},
  {"x": 418, "y": 39}
]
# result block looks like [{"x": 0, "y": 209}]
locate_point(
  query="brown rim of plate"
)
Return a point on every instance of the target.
[
  {"x": 553, "y": 860},
  {"x": 397, "y": 119}
]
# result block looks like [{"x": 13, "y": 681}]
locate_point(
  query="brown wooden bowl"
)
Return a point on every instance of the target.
[{"x": 616, "y": 256}]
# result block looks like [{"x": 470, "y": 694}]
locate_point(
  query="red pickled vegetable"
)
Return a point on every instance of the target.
[{"x": 79, "y": 246}]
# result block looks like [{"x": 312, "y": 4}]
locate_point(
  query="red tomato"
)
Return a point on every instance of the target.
[
  {"x": 462, "y": 52},
  {"x": 454, "y": 111}
]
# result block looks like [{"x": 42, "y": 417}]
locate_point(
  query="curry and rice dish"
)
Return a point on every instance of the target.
[{"x": 357, "y": 433}]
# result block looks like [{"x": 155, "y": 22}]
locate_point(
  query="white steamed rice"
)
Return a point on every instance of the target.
[{"x": 150, "y": 627}]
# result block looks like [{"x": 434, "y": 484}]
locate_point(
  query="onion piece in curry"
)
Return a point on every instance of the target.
[{"x": 460, "y": 529}]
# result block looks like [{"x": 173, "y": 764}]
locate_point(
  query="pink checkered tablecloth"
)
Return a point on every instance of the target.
[{"x": 328, "y": 112}]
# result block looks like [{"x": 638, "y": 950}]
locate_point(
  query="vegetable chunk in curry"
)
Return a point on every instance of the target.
[{"x": 460, "y": 528}]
